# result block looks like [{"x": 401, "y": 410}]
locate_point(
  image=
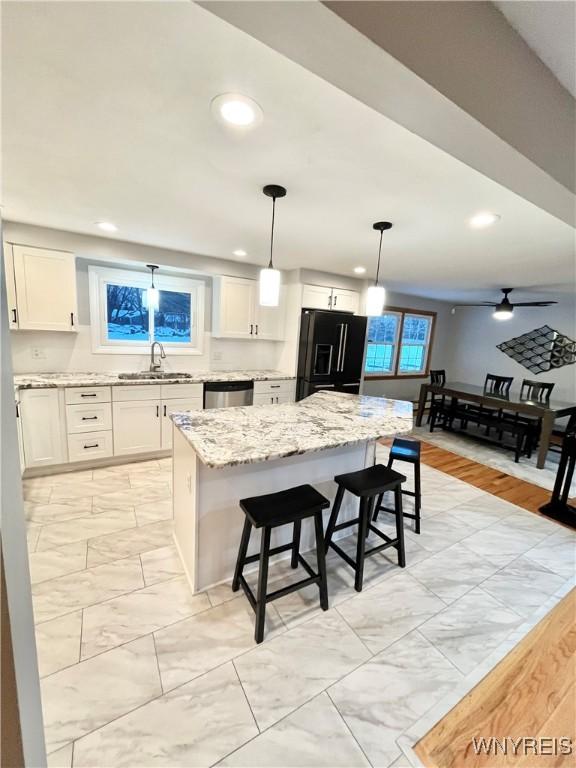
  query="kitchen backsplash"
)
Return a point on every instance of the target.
[{"x": 41, "y": 352}]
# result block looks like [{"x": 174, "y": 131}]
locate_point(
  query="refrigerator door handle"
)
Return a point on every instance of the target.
[
  {"x": 339, "y": 360},
  {"x": 344, "y": 343}
]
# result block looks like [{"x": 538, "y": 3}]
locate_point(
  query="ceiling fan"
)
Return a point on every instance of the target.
[{"x": 504, "y": 309}]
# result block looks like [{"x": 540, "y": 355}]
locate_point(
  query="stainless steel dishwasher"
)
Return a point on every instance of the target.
[{"x": 224, "y": 394}]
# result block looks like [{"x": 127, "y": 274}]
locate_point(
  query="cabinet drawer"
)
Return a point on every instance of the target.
[
  {"x": 136, "y": 392},
  {"x": 90, "y": 445},
  {"x": 89, "y": 417},
  {"x": 273, "y": 387},
  {"x": 179, "y": 391},
  {"x": 74, "y": 395}
]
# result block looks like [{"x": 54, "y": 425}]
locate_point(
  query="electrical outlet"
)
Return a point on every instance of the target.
[{"x": 38, "y": 353}]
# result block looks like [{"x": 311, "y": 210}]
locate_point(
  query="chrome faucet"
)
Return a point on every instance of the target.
[{"x": 156, "y": 366}]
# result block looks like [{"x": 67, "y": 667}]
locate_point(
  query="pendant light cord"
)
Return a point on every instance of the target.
[
  {"x": 379, "y": 254},
  {"x": 270, "y": 265}
]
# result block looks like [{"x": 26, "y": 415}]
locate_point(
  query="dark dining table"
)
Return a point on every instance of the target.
[{"x": 545, "y": 410}]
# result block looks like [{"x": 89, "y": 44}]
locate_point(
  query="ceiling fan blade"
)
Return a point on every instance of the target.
[
  {"x": 534, "y": 303},
  {"x": 481, "y": 304}
]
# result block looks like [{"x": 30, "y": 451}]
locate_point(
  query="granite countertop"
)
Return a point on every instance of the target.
[
  {"x": 225, "y": 437},
  {"x": 43, "y": 380}
]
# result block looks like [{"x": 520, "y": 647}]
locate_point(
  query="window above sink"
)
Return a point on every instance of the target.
[{"x": 121, "y": 321}]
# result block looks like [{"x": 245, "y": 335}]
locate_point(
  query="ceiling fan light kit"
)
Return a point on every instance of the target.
[{"x": 504, "y": 309}]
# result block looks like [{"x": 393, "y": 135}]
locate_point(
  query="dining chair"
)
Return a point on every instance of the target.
[
  {"x": 493, "y": 385},
  {"x": 438, "y": 378},
  {"x": 498, "y": 385},
  {"x": 537, "y": 391}
]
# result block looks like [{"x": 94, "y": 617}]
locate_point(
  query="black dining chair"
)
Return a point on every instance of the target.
[
  {"x": 558, "y": 434},
  {"x": 437, "y": 378},
  {"x": 497, "y": 385},
  {"x": 493, "y": 385},
  {"x": 537, "y": 391}
]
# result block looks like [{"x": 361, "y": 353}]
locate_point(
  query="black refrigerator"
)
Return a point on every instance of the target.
[{"x": 330, "y": 352}]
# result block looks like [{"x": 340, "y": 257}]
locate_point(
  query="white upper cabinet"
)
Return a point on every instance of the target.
[
  {"x": 45, "y": 283},
  {"x": 10, "y": 286},
  {"x": 316, "y": 297},
  {"x": 236, "y": 313},
  {"x": 345, "y": 301},
  {"x": 323, "y": 297},
  {"x": 270, "y": 321}
]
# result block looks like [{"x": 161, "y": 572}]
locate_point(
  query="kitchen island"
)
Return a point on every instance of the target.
[{"x": 224, "y": 455}]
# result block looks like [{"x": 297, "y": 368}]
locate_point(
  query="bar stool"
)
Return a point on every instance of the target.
[
  {"x": 368, "y": 484},
  {"x": 270, "y": 511},
  {"x": 409, "y": 451}
]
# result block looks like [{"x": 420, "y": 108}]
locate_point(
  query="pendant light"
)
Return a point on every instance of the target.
[
  {"x": 376, "y": 295},
  {"x": 270, "y": 277},
  {"x": 152, "y": 294}
]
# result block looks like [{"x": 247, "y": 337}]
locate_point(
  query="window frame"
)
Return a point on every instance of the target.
[
  {"x": 100, "y": 277},
  {"x": 395, "y": 344},
  {"x": 396, "y": 373}
]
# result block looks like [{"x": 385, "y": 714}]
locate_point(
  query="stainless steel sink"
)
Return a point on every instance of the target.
[{"x": 154, "y": 375}]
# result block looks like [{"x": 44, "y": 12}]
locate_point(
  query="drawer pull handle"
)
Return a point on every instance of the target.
[
  {"x": 91, "y": 394},
  {"x": 89, "y": 418},
  {"x": 274, "y": 386},
  {"x": 93, "y": 445}
]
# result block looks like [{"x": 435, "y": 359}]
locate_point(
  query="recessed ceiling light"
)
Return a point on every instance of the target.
[
  {"x": 107, "y": 226},
  {"x": 483, "y": 219},
  {"x": 240, "y": 253},
  {"x": 359, "y": 270},
  {"x": 237, "y": 110}
]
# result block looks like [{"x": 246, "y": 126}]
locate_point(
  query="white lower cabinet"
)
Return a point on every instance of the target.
[
  {"x": 42, "y": 427},
  {"x": 90, "y": 445},
  {"x": 137, "y": 426},
  {"x": 168, "y": 407},
  {"x": 274, "y": 392}
]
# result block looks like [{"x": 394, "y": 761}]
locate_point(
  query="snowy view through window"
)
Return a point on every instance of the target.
[{"x": 128, "y": 317}]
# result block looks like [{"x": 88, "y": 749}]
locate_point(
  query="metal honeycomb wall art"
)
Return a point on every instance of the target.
[{"x": 541, "y": 350}]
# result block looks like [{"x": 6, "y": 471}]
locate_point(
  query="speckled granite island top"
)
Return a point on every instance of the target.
[
  {"x": 225, "y": 437},
  {"x": 43, "y": 380}
]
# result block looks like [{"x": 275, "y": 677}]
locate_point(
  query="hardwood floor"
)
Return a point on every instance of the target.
[{"x": 531, "y": 693}]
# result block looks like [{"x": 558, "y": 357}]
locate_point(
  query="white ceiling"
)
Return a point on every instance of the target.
[
  {"x": 549, "y": 28},
  {"x": 106, "y": 117}
]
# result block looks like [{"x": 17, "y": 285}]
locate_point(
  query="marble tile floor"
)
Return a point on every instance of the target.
[
  {"x": 495, "y": 457},
  {"x": 137, "y": 671}
]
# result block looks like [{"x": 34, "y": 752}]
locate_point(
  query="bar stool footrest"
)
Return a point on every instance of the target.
[
  {"x": 392, "y": 512},
  {"x": 313, "y": 578}
]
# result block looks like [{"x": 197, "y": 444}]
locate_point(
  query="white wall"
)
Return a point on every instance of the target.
[{"x": 474, "y": 352}]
